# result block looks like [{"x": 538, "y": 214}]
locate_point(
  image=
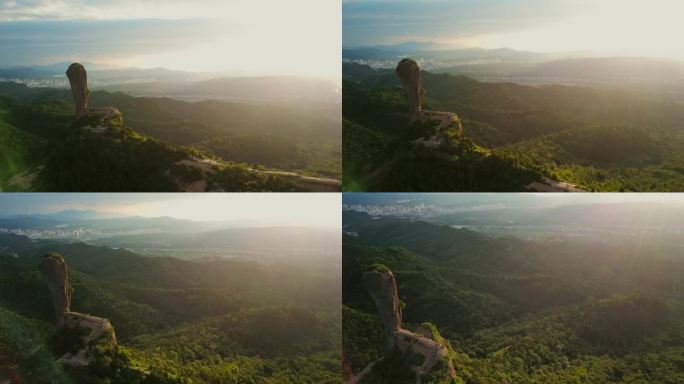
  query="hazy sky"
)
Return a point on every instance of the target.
[
  {"x": 298, "y": 37},
  {"x": 624, "y": 27},
  {"x": 269, "y": 209},
  {"x": 512, "y": 200}
]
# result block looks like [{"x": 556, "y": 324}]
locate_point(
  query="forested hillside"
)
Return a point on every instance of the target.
[
  {"x": 163, "y": 139},
  {"x": 378, "y": 154},
  {"x": 220, "y": 321},
  {"x": 598, "y": 139},
  {"x": 517, "y": 311},
  {"x": 281, "y": 136},
  {"x": 20, "y": 150}
]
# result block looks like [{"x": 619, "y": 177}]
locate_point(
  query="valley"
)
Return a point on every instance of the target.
[
  {"x": 552, "y": 308},
  {"x": 150, "y": 306},
  {"x": 212, "y": 305},
  {"x": 208, "y": 145},
  {"x": 516, "y": 136}
]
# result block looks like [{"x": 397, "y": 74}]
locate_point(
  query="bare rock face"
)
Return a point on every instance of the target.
[
  {"x": 101, "y": 120},
  {"x": 425, "y": 343},
  {"x": 54, "y": 271},
  {"x": 78, "y": 79},
  {"x": 444, "y": 123},
  {"x": 382, "y": 287},
  {"x": 408, "y": 72},
  {"x": 97, "y": 331}
]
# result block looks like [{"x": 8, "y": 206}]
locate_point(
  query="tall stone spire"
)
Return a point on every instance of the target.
[
  {"x": 54, "y": 270},
  {"x": 78, "y": 79},
  {"x": 382, "y": 287},
  {"x": 408, "y": 72}
]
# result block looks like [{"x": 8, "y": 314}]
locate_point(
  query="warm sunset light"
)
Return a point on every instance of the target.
[
  {"x": 246, "y": 37},
  {"x": 288, "y": 209},
  {"x": 614, "y": 27},
  {"x": 609, "y": 27},
  {"x": 572, "y": 95},
  {"x": 136, "y": 288}
]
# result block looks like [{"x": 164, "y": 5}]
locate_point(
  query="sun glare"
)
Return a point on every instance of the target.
[
  {"x": 265, "y": 38},
  {"x": 261, "y": 209},
  {"x": 251, "y": 37},
  {"x": 636, "y": 28}
]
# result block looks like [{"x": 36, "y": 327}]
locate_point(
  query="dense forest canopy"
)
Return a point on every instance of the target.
[
  {"x": 520, "y": 311},
  {"x": 46, "y": 150},
  {"x": 600, "y": 139},
  {"x": 176, "y": 321}
]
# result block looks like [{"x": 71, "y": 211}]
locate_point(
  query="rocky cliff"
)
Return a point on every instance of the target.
[
  {"x": 85, "y": 329},
  {"x": 408, "y": 72},
  {"x": 446, "y": 124},
  {"x": 97, "y": 120},
  {"x": 432, "y": 351},
  {"x": 382, "y": 287},
  {"x": 91, "y": 330},
  {"x": 54, "y": 270},
  {"x": 78, "y": 80},
  {"x": 101, "y": 120}
]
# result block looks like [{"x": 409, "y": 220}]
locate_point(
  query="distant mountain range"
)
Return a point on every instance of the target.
[
  {"x": 68, "y": 215},
  {"x": 434, "y": 51},
  {"x": 611, "y": 223},
  {"x": 109, "y": 219},
  {"x": 103, "y": 71},
  {"x": 181, "y": 84},
  {"x": 183, "y": 238},
  {"x": 525, "y": 67},
  {"x": 89, "y": 225}
]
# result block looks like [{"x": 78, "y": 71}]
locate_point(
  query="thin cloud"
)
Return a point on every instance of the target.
[
  {"x": 259, "y": 37},
  {"x": 606, "y": 27},
  {"x": 45, "y": 42},
  {"x": 12, "y": 10},
  {"x": 381, "y": 22}
]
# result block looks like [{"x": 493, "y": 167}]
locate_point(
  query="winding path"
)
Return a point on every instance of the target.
[
  {"x": 549, "y": 185},
  {"x": 315, "y": 184}
]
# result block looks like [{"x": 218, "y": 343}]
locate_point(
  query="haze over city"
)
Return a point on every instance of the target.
[{"x": 281, "y": 209}]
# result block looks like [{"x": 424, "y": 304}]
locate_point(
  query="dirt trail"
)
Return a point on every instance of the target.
[
  {"x": 315, "y": 184},
  {"x": 549, "y": 185},
  {"x": 208, "y": 166}
]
